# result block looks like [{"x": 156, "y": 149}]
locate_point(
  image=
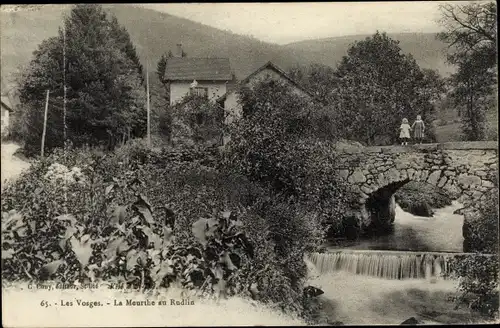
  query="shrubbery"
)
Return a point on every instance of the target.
[
  {"x": 478, "y": 274},
  {"x": 196, "y": 120},
  {"x": 276, "y": 146},
  {"x": 419, "y": 198},
  {"x": 100, "y": 228},
  {"x": 237, "y": 222}
]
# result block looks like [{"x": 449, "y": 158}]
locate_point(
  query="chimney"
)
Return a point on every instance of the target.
[{"x": 179, "y": 49}]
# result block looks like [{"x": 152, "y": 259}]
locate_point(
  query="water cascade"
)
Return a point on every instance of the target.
[{"x": 384, "y": 264}]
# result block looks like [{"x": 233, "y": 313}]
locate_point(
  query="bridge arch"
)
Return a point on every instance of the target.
[{"x": 465, "y": 170}]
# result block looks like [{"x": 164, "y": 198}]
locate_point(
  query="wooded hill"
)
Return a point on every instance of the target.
[{"x": 154, "y": 33}]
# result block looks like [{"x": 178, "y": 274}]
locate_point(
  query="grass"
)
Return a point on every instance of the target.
[{"x": 451, "y": 131}]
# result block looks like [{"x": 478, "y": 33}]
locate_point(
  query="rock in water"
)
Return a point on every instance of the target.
[
  {"x": 411, "y": 321},
  {"x": 311, "y": 291},
  {"x": 335, "y": 323},
  {"x": 421, "y": 208}
]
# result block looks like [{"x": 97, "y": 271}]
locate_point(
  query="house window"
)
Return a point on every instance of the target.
[{"x": 203, "y": 92}]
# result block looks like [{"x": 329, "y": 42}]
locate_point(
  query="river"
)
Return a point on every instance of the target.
[
  {"x": 388, "y": 279},
  {"x": 440, "y": 233}
]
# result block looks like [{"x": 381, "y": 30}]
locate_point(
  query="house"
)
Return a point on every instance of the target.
[
  {"x": 207, "y": 77},
  {"x": 7, "y": 109},
  {"x": 269, "y": 70}
]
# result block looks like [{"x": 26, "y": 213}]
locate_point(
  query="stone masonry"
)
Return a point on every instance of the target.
[{"x": 465, "y": 170}]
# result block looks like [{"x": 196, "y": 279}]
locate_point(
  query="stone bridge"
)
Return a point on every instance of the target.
[{"x": 465, "y": 170}]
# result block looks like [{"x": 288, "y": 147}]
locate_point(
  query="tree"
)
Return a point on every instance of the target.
[
  {"x": 318, "y": 79},
  {"x": 376, "y": 87},
  {"x": 472, "y": 89},
  {"x": 275, "y": 145},
  {"x": 162, "y": 66},
  {"x": 94, "y": 59},
  {"x": 471, "y": 32},
  {"x": 470, "y": 28}
]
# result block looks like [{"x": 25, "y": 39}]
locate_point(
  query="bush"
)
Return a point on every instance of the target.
[
  {"x": 165, "y": 122},
  {"x": 102, "y": 228},
  {"x": 419, "y": 198},
  {"x": 196, "y": 120},
  {"x": 478, "y": 274},
  {"x": 276, "y": 147}
]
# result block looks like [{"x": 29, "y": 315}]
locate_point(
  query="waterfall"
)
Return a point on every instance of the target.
[{"x": 387, "y": 265}]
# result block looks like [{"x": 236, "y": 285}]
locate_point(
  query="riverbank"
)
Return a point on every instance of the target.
[{"x": 361, "y": 300}]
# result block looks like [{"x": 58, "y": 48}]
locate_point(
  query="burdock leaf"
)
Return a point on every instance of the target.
[
  {"x": 203, "y": 229},
  {"x": 50, "y": 268},
  {"x": 82, "y": 250},
  {"x": 7, "y": 254},
  {"x": 67, "y": 217},
  {"x": 109, "y": 189},
  {"x": 227, "y": 260},
  {"x": 118, "y": 216},
  {"x": 167, "y": 236},
  {"x": 112, "y": 248},
  {"x": 144, "y": 208},
  {"x": 152, "y": 237},
  {"x": 14, "y": 221},
  {"x": 132, "y": 257},
  {"x": 70, "y": 231},
  {"x": 123, "y": 247}
]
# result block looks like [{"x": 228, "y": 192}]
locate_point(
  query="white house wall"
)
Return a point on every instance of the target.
[
  {"x": 5, "y": 120},
  {"x": 178, "y": 89}
]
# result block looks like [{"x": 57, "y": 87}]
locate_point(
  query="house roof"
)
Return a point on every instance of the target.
[
  {"x": 6, "y": 103},
  {"x": 270, "y": 65},
  {"x": 187, "y": 69}
]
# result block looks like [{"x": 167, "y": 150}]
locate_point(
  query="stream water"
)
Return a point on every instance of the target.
[
  {"x": 440, "y": 233},
  {"x": 387, "y": 279}
]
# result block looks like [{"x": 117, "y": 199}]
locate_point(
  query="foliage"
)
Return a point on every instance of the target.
[
  {"x": 197, "y": 120},
  {"x": 119, "y": 242},
  {"x": 205, "y": 225},
  {"x": 318, "y": 79},
  {"x": 162, "y": 66},
  {"x": 481, "y": 226},
  {"x": 165, "y": 122},
  {"x": 420, "y": 198},
  {"x": 470, "y": 28},
  {"x": 478, "y": 274},
  {"x": 377, "y": 86},
  {"x": 471, "y": 33},
  {"x": 473, "y": 85},
  {"x": 478, "y": 283},
  {"x": 103, "y": 78},
  {"x": 275, "y": 147}
]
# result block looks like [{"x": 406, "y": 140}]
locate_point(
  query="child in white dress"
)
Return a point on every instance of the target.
[{"x": 404, "y": 135}]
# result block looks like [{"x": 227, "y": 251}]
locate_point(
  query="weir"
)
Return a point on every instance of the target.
[{"x": 385, "y": 264}]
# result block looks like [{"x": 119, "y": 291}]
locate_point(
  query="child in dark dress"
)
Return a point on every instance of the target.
[{"x": 418, "y": 127}]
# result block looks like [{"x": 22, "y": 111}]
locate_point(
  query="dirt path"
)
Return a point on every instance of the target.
[{"x": 12, "y": 166}]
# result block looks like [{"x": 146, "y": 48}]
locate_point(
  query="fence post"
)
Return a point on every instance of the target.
[{"x": 45, "y": 122}]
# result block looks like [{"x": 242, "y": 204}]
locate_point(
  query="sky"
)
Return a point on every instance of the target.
[{"x": 289, "y": 22}]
